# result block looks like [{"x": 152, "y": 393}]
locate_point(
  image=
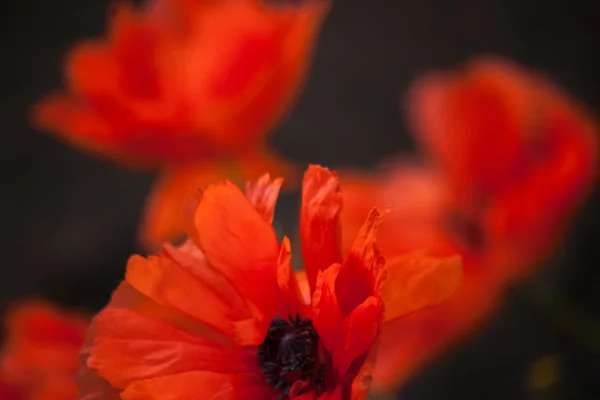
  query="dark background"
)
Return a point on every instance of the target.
[{"x": 69, "y": 221}]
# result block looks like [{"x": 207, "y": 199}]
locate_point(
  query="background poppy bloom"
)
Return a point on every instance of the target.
[
  {"x": 510, "y": 158},
  {"x": 39, "y": 359},
  {"x": 189, "y": 87},
  {"x": 225, "y": 316},
  {"x": 518, "y": 154}
]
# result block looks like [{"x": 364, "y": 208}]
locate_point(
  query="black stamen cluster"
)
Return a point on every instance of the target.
[{"x": 290, "y": 353}]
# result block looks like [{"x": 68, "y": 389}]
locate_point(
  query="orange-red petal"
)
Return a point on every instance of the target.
[
  {"x": 359, "y": 332},
  {"x": 129, "y": 346},
  {"x": 180, "y": 280},
  {"x": 473, "y": 122},
  {"x": 40, "y": 354},
  {"x": 263, "y": 194},
  {"x": 92, "y": 387},
  {"x": 293, "y": 296},
  {"x": 239, "y": 243},
  {"x": 163, "y": 215},
  {"x": 268, "y": 66},
  {"x": 81, "y": 126},
  {"x": 10, "y": 392},
  {"x": 417, "y": 280},
  {"x": 406, "y": 344},
  {"x": 419, "y": 195},
  {"x": 163, "y": 218},
  {"x": 327, "y": 318},
  {"x": 320, "y": 228},
  {"x": 364, "y": 269},
  {"x": 186, "y": 385},
  {"x": 126, "y": 296}
]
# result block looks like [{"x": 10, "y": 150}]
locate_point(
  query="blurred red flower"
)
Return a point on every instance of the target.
[
  {"x": 224, "y": 315},
  {"x": 190, "y": 87},
  {"x": 39, "y": 359},
  {"x": 510, "y": 157}
]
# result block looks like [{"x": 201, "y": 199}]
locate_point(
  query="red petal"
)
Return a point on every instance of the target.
[
  {"x": 266, "y": 50},
  {"x": 364, "y": 268},
  {"x": 135, "y": 44},
  {"x": 93, "y": 387},
  {"x": 417, "y": 280},
  {"x": 249, "y": 332},
  {"x": 419, "y": 195},
  {"x": 10, "y": 392},
  {"x": 239, "y": 243},
  {"x": 179, "y": 280},
  {"x": 320, "y": 228},
  {"x": 44, "y": 323},
  {"x": 163, "y": 215},
  {"x": 128, "y": 346},
  {"x": 360, "y": 329},
  {"x": 292, "y": 292},
  {"x": 472, "y": 123},
  {"x": 82, "y": 126},
  {"x": 326, "y": 314},
  {"x": 205, "y": 384},
  {"x": 408, "y": 343},
  {"x": 93, "y": 71},
  {"x": 127, "y": 297},
  {"x": 263, "y": 195}
]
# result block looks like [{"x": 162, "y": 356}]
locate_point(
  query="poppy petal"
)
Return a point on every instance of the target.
[
  {"x": 239, "y": 243},
  {"x": 253, "y": 81},
  {"x": 180, "y": 285},
  {"x": 297, "y": 27},
  {"x": 163, "y": 215},
  {"x": 327, "y": 318},
  {"x": 10, "y": 392},
  {"x": 190, "y": 257},
  {"x": 38, "y": 321},
  {"x": 287, "y": 279},
  {"x": 81, "y": 126},
  {"x": 303, "y": 286},
  {"x": 408, "y": 343},
  {"x": 249, "y": 332},
  {"x": 212, "y": 385},
  {"x": 263, "y": 194},
  {"x": 93, "y": 387},
  {"x": 529, "y": 219},
  {"x": 360, "y": 328},
  {"x": 129, "y": 346},
  {"x": 361, "y": 385},
  {"x": 127, "y": 297},
  {"x": 419, "y": 196},
  {"x": 92, "y": 70},
  {"x": 364, "y": 268},
  {"x": 320, "y": 228},
  {"x": 451, "y": 113},
  {"x": 417, "y": 280}
]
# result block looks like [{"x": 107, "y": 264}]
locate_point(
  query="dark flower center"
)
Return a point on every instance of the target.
[
  {"x": 467, "y": 230},
  {"x": 292, "y": 352}
]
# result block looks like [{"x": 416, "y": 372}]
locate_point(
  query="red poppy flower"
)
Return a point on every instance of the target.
[
  {"x": 40, "y": 357},
  {"x": 225, "y": 316},
  {"x": 511, "y": 158},
  {"x": 519, "y": 154},
  {"x": 191, "y": 87}
]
